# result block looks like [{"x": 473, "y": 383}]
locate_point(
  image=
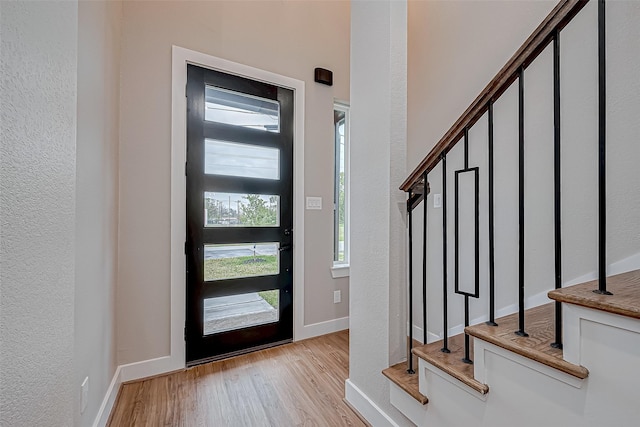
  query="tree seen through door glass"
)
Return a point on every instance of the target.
[
  {"x": 241, "y": 210},
  {"x": 240, "y": 260}
]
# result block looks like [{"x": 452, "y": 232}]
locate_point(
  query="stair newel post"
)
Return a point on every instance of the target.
[
  {"x": 557, "y": 186},
  {"x": 602, "y": 144},
  {"x": 521, "y": 330},
  {"x": 410, "y": 343},
  {"x": 445, "y": 332},
  {"x": 425, "y": 193}
]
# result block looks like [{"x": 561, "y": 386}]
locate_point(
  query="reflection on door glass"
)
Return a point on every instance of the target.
[
  {"x": 240, "y": 311},
  {"x": 244, "y": 160},
  {"x": 238, "y": 109},
  {"x": 240, "y": 260},
  {"x": 241, "y": 210}
]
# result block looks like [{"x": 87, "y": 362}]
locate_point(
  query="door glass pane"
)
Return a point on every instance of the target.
[
  {"x": 241, "y": 210},
  {"x": 239, "y": 109},
  {"x": 245, "y": 160},
  {"x": 240, "y": 311},
  {"x": 240, "y": 260}
]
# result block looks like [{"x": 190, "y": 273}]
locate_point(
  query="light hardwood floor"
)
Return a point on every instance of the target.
[{"x": 299, "y": 384}]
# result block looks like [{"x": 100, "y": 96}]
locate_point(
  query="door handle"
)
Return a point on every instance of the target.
[{"x": 284, "y": 248}]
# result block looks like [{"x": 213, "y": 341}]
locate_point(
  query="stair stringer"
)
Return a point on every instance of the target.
[{"x": 527, "y": 393}]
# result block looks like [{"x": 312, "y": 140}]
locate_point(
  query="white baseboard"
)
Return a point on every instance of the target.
[
  {"x": 130, "y": 372},
  {"x": 618, "y": 267},
  {"x": 417, "y": 335},
  {"x": 322, "y": 328},
  {"x": 533, "y": 301},
  {"x": 109, "y": 400},
  {"x": 149, "y": 368},
  {"x": 366, "y": 407},
  {"x": 165, "y": 364},
  {"x": 624, "y": 265}
]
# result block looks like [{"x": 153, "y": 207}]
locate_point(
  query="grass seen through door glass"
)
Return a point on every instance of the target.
[
  {"x": 271, "y": 297},
  {"x": 244, "y": 266}
]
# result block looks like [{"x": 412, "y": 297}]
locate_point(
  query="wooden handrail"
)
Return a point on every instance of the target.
[{"x": 559, "y": 17}]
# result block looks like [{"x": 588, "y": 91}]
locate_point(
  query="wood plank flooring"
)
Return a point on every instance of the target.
[{"x": 299, "y": 384}]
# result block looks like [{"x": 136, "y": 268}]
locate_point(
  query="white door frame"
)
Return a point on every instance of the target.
[{"x": 180, "y": 58}]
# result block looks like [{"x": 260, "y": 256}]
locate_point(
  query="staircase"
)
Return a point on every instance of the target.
[
  {"x": 572, "y": 359},
  {"x": 598, "y": 367}
]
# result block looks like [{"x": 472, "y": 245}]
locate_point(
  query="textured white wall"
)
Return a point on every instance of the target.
[
  {"x": 452, "y": 56},
  {"x": 288, "y": 38},
  {"x": 378, "y": 132},
  {"x": 97, "y": 200},
  {"x": 37, "y": 212}
]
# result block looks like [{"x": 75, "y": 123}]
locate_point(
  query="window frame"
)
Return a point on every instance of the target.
[{"x": 340, "y": 268}]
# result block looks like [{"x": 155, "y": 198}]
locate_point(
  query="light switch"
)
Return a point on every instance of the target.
[
  {"x": 314, "y": 203},
  {"x": 437, "y": 200}
]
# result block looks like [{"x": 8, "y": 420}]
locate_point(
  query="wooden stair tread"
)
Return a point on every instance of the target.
[
  {"x": 539, "y": 324},
  {"x": 452, "y": 363},
  {"x": 625, "y": 300},
  {"x": 407, "y": 382}
]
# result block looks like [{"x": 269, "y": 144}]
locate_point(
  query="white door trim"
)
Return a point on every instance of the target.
[{"x": 180, "y": 58}]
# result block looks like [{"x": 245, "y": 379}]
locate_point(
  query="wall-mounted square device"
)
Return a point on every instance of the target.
[
  {"x": 324, "y": 76},
  {"x": 314, "y": 203}
]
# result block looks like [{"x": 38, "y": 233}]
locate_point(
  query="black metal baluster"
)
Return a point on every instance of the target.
[
  {"x": 425, "y": 192},
  {"x": 556, "y": 184},
  {"x": 466, "y": 148},
  {"x": 476, "y": 293},
  {"x": 521, "y": 330},
  {"x": 445, "y": 339},
  {"x": 477, "y": 260},
  {"x": 492, "y": 298},
  {"x": 409, "y": 355},
  {"x": 456, "y": 260},
  {"x": 466, "y": 358},
  {"x": 602, "y": 164}
]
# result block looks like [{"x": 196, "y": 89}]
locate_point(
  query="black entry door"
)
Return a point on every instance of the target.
[{"x": 239, "y": 215}]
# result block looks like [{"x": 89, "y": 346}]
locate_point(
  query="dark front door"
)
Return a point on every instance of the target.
[{"x": 239, "y": 215}]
